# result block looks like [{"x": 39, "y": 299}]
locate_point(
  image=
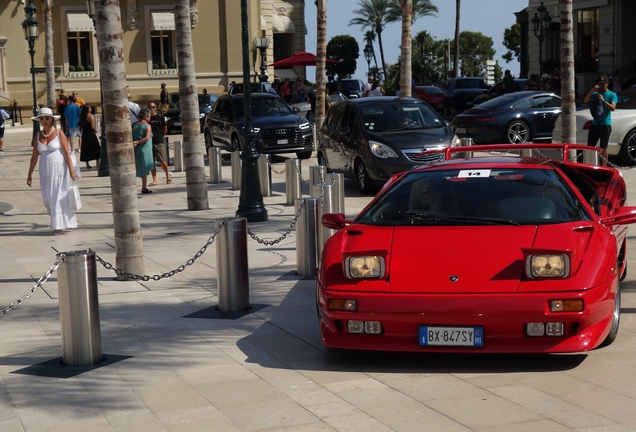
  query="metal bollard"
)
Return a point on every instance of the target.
[
  {"x": 307, "y": 237},
  {"x": 466, "y": 142},
  {"x": 591, "y": 157},
  {"x": 526, "y": 153},
  {"x": 337, "y": 180},
  {"x": 232, "y": 269},
  {"x": 314, "y": 136},
  {"x": 79, "y": 308},
  {"x": 235, "y": 159},
  {"x": 214, "y": 158},
  {"x": 327, "y": 204},
  {"x": 265, "y": 175},
  {"x": 317, "y": 175},
  {"x": 293, "y": 185},
  {"x": 178, "y": 156},
  {"x": 166, "y": 140}
]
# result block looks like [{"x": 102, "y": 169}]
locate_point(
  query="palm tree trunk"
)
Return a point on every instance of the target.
[
  {"x": 121, "y": 155},
  {"x": 47, "y": 12},
  {"x": 321, "y": 61},
  {"x": 382, "y": 54},
  {"x": 406, "y": 48},
  {"x": 196, "y": 180},
  {"x": 568, "y": 102},
  {"x": 457, "y": 19}
]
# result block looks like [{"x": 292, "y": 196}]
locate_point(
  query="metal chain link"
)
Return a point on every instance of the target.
[
  {"x": 285, "y": 234},
  {"x": 14, "y": 304},
  {"x": 614, "y": 165},
  {"x": 269, "y": 163},
  {"x": 300, "y": 174},
  {"x": 169, "y": 274}
]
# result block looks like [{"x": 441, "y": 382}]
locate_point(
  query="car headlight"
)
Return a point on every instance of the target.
[
  {"x": 304, "y": 126},
  {"x": 166, "y": 119},
  {"x": 456, "y": 141},
  {"x": 364, "y": 267},
  {"x": 382, "y": 151},
  {"x": 256, "y": 130},
  {"x": 548, "y": 266},
  {"x": 201, "y": 115}
]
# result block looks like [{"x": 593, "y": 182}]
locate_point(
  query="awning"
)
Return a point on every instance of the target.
[
  {"x": 263, "y": 23},
  {"x": 285, "y": 73},
  {"x": 79, "y": 22},
  {"x": 282, "y": 24},
  {"x": 162, "y": 21},
  {"x": 588, "y": 4}
]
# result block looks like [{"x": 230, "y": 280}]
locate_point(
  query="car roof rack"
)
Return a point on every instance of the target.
[{"x": 470, "y": 150}]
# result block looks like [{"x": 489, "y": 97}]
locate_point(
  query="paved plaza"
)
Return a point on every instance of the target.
[{"x": 267, "y": 370}]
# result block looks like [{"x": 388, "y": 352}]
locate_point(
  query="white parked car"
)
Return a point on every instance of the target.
[{"x": 622, "y": 142}]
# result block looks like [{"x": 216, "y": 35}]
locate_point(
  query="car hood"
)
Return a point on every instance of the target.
[
  {"x": 471, "y": 259},
  {"x": 274, "y": 121},
  {"x": 412, "y": 138}
]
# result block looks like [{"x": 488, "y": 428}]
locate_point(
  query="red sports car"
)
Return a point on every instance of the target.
[
  {"x": 498, "y": 254},
  {"x": 431, "y": 95}
]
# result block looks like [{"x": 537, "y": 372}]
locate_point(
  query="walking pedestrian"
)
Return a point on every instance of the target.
[
  {"x": 61, "y": 107},
  {"x": 508, "y": 83},
  {"x": 3, "y": 116},
  {"x": 142, "y": 134},
  {"x": 159, "y": 129},
  {"x": 533, "y": 83},
  {"x": 367, "y": 87},
  {"x": 89, "y": 144},
  {"x": 376, "y": 89},
  {"x": 56, "y": 171},
  {"x": 164, "y": 99},
  {"x": 72, "y": 114},
  {"x": 449, "y": 95},
  {"x": 602, "y": 102}
]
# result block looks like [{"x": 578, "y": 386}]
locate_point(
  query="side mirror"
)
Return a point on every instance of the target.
[
  {"x": 335, "y": 221},
  {"x": 295, "y": 110},
  {"x": 624, "y": 216}
]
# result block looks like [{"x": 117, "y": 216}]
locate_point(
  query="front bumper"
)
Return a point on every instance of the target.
[{"x": 299, "y": 140}]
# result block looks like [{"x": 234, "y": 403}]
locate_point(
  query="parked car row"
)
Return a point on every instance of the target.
[{"x": 173, "y": 115}]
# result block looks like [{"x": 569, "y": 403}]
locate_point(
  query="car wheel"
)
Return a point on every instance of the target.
[
  {"x": 322, "y": 161},
  {"x": 236, "y": 144},
  {"x": 616, "y": 318},
  {"x": 627, "y": 152},
  {"x": 517, "y": 132},
  {"x": 304, "y": 154},
  {"x": 362, "y": 176}
]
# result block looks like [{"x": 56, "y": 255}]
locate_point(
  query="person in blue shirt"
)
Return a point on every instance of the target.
[
  {"x": 72, "y": 115},
  {"x": 601, "y": 127}
]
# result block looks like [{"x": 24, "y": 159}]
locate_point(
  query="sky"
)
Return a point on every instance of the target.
[{"x": 490, "y": 17}]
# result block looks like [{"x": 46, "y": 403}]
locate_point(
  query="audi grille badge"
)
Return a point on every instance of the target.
[{"x": 281, "y": 131}]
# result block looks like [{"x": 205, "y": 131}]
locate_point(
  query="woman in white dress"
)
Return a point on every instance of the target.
[{"x": 56, "y": 171}]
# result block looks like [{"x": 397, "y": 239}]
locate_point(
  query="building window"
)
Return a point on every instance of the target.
[
  {"x": 587, "y": 39},
  {"x": 162, "y": 45},
  {"x": 283, "y": 43},
  {"x": 80, "y": 51}
]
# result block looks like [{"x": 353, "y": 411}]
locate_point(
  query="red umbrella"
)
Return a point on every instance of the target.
[{"x": 301, "y": 59}]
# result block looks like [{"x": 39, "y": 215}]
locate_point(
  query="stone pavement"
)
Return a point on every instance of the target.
[{"x": 268, "y": 370}]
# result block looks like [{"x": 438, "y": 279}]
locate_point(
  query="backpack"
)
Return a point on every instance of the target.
[{"x": 596, "y": 109}]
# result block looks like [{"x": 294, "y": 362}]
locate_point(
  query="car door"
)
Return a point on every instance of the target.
[
  {"x": 222, "y": 122},
  {"x": 548, "y": 108},
  {"x": 333, "y": 152}
]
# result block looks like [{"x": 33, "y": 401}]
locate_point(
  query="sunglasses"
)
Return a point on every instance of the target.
[
  {"x": 47, "y": 118},
  {"x": 153, "y": 107}
]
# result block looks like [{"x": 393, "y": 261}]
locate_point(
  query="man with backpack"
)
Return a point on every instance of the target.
[{"x": 601, "y": 102}]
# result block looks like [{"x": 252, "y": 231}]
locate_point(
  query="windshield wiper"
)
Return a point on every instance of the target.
[{"x": 435, "y": 217}]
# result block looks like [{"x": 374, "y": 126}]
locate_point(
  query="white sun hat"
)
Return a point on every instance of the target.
[{"x": 45, "y": 112}]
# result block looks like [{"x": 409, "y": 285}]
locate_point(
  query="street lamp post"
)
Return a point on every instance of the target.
[
  {"x": 31, "y": 34},
  {"x": 262, "y": 44},
  {"x": 251, "y": 204},
  {"x": 104, "y": 166},
  {"x": 368, "y": 55},
  {"x": 540, "y": 26}
]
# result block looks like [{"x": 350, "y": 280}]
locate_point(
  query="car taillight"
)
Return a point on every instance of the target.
[
  {"x": 587, "y": 125},
  {"x": 484, "y": 119}
]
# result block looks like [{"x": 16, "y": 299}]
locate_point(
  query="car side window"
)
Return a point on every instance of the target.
[
  {"x": 336, "y": 117},
  {"x": 525, "y": 104},
  {"x": 547, "y": 101}
]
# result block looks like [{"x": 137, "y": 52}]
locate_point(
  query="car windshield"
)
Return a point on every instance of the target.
[
  {"x": 263, "y": 106},
  {"x": 388, "y": 117},
  {"x": 495, "y": 196},
  {"x": 350, "y": 85},
  {"x": 469, "y": 83}
]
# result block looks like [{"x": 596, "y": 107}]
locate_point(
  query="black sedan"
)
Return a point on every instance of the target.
[
  {"x": 278, "y": 128},
  {"x": 512, "y": 118},
  {"x": 370, "y": 139}
]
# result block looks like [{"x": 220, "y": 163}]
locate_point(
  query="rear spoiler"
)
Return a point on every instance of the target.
[{"x": 449, "y": 151}]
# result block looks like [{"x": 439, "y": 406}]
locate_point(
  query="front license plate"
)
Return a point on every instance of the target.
[
  {"x": 460, "y": 130},
  {"x": 282, "y": 141},
  {"x": 177, "y": 123},
  {"x": 451, "y": 336}
]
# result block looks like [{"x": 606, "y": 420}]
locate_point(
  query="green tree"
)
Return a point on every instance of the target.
[
  {"x": 512, "y": 41},
  {"x": 373, "y": 14},
  {"x": 475, "y": 49},
  {"x": 421, "y": 8},
  {"x": 344, "y": 48}
]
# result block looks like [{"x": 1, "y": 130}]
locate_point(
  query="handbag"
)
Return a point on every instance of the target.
[
  {"x": 78, "y": 172},
  {"x": 74, "y": 198}
]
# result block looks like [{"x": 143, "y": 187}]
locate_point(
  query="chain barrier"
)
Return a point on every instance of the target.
[
  {"x": 14, "y": 304},
  {"x": 285, "y": 234},
  {"x": 269, "y": 163},
  {"x": 300, "y": 174},
  {"x": 182, "y": 267},
  {"x": 613, "y": 165}
]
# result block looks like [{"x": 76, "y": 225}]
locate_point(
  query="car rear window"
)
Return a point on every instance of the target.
[
  {"x": 477, "y": 197},
  {"x": 387, "y": 117}
]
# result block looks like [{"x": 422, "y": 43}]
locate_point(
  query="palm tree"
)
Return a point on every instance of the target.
[
  {"x": 112, "y": 68},
  {"x": 369, "y": 38},
  {"x": 47, "y": 6},
  {"x": 321, "y": 60},
  {"x": 373, "y": 14},
  {"x": 421, "y": 8},
  {"x": 406, "y": 48},
  {"x": 196, "y": 180},
  {"x": 457, "y": 16},
  {"x": 423, "y": 42},
  {"x": 568, "y": 103}
]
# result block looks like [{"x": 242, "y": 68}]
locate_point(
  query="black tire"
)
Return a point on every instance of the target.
[
  {"x": 627, "y": 153},
  {"x": 362, "y": 177},
  {"x": 304, "y": 154},
  {"x": 207, "y": 136},
  {"x": 236, "y": 144},
  {"x": 517, "y": 132},
  {"x": 322, "y": 161},
  {"x": 616, "y": 319}
]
